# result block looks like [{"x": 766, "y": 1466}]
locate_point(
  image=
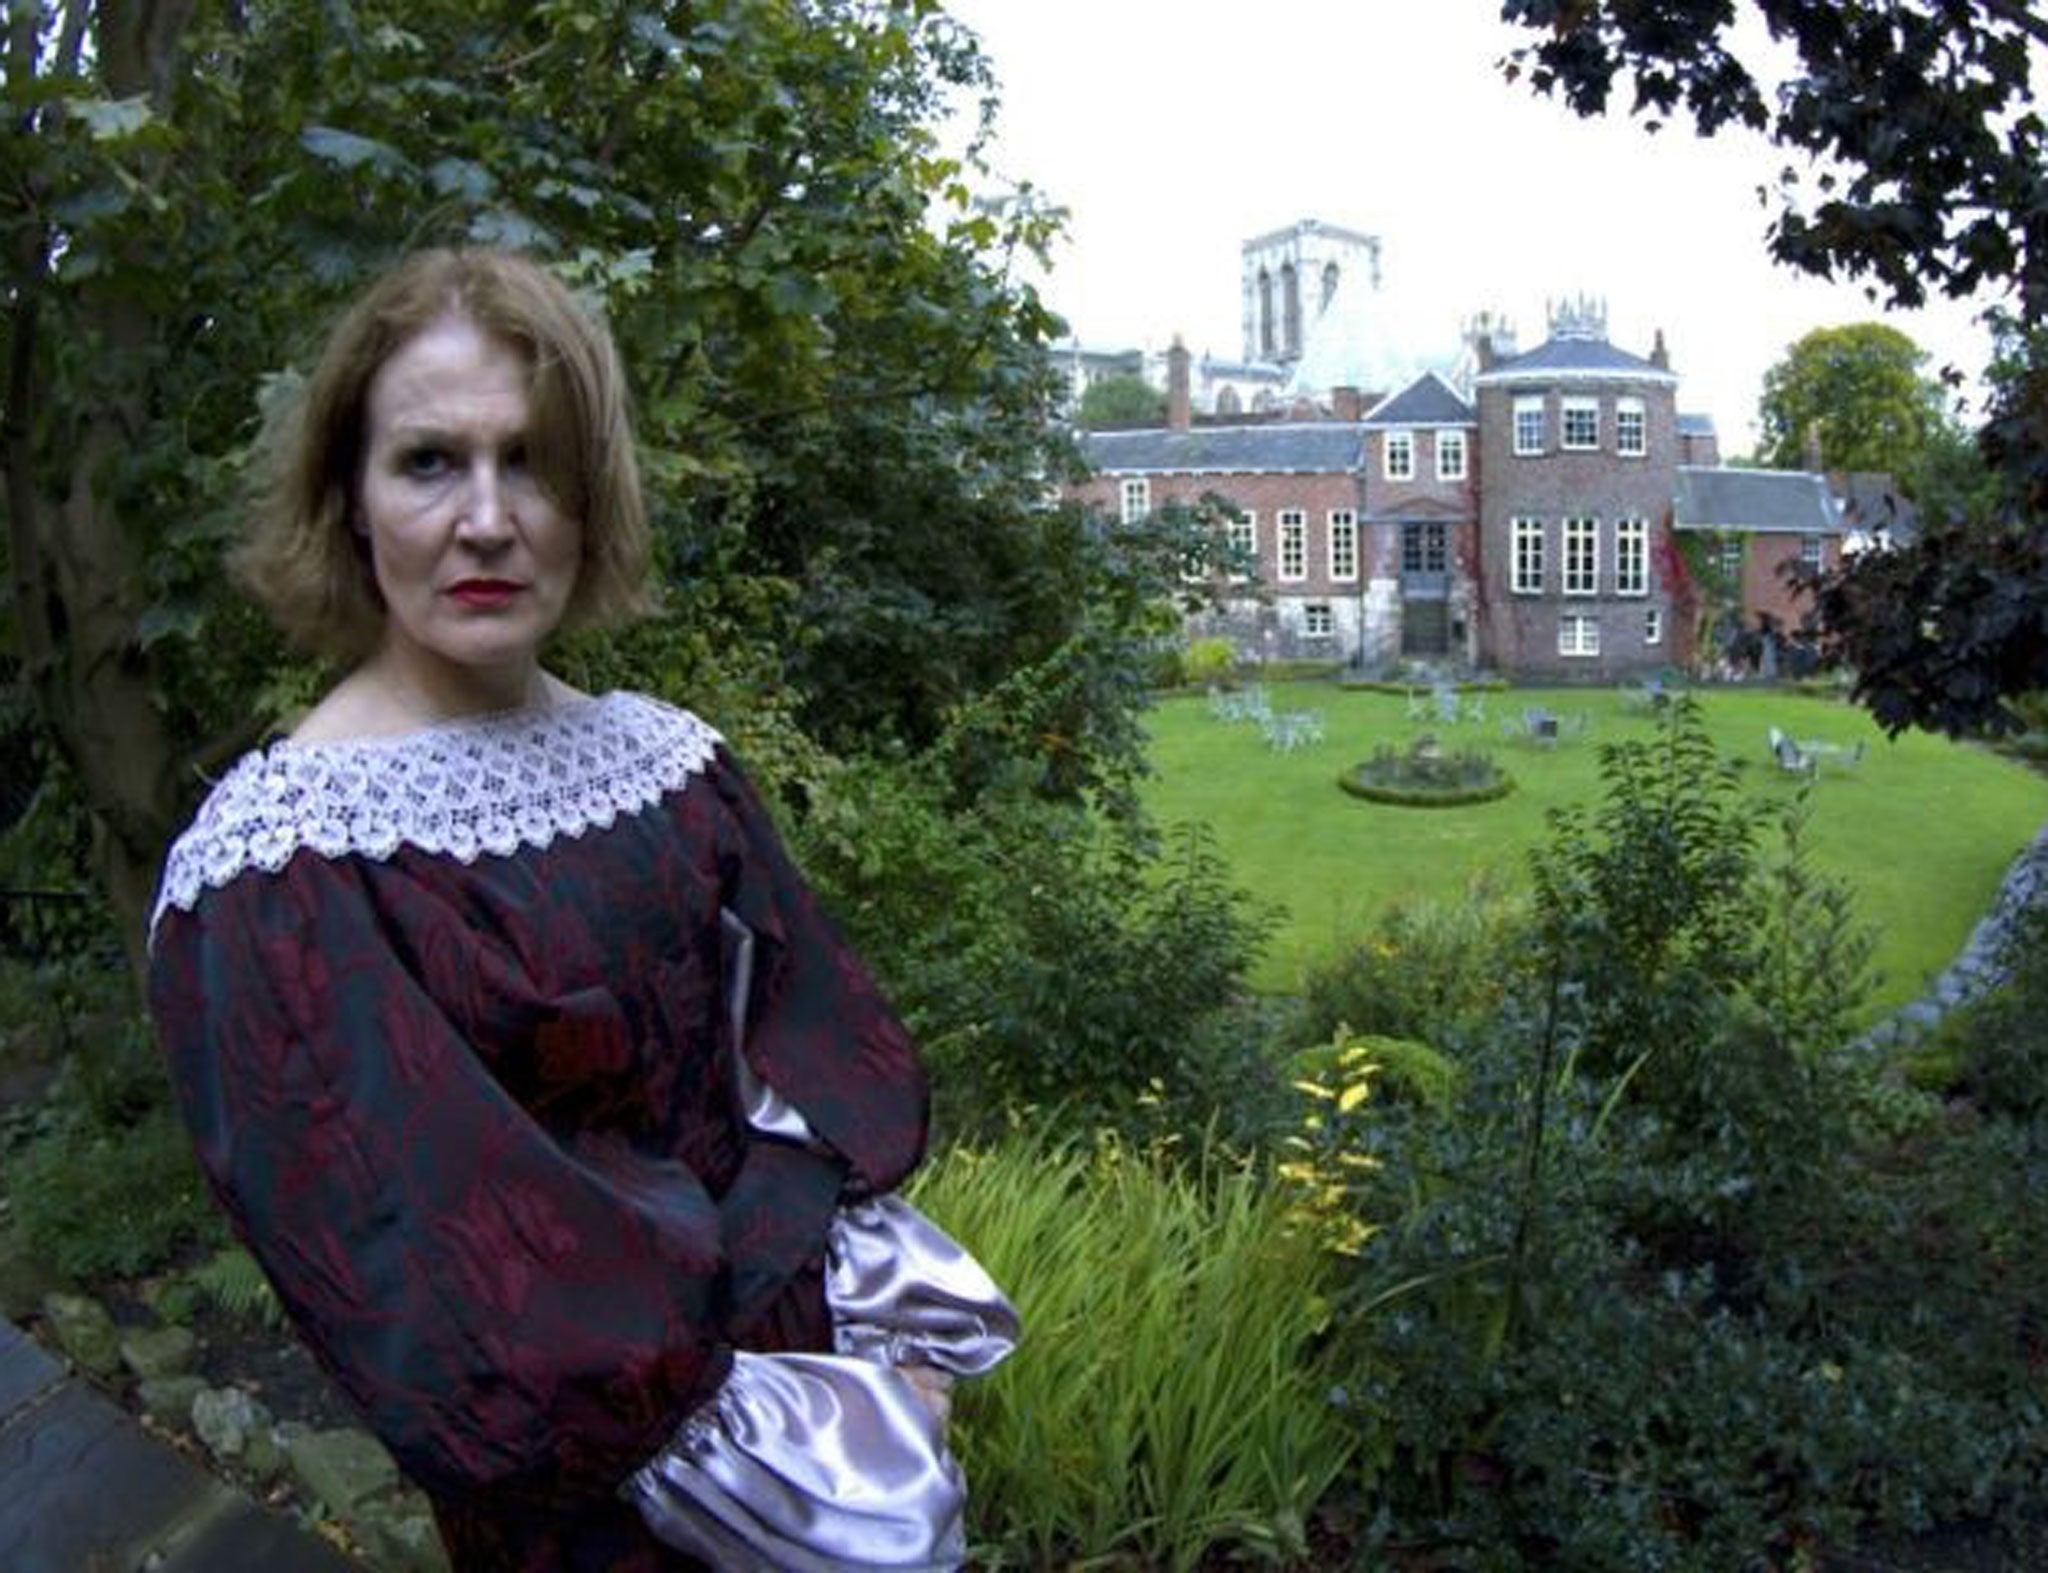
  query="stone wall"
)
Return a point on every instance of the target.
[{"x": 1979, "y": 966}]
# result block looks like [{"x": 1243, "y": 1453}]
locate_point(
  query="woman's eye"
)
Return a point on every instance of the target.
[
  {"x": 424, "y": 463},
  {"x": 516, "y": 458}
]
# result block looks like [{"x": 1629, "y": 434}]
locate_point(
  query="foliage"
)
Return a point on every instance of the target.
[
  {"x": 1426, "y": 969},
  {"x": 1167, "y": 1400},
  {"x": 1209, "y": 660},
  {"x": 1327, "y": 1164},
  {"x": 1605, "y": 1317},
  {"x": 1123, "y": 400},
  {"x": 232, "y": 1280},
  {"x": 1922, "y": 149},
  {"x": 106, "y": 1185},
  {"x": 843, "y": 392},
  {"x": 1858, "y": 394},
  {"x": 1044, "y": 955},
  {"x": 1422, "y": 776}
]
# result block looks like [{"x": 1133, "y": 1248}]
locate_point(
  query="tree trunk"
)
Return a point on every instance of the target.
[{"x": 78, "y": 592}]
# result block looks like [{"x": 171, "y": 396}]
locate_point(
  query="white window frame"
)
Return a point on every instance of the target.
[
  {"x": 1579, "y": 555},
  {"x": 1134, "y": 498},
  {"x": 1291, "y": 542},
  {"x": 1343, "y": 544},
  {"x": 1653, "y": 625},
  {"x": 1449, "y": 443},
  {"x": 1317, "y": 621},
  {"x": 1530, "y": 425},
  {"x": 1242, "y": 534},
  {"x": 1525, "y": 562},
  {"x": 1812, "y": 551},
  {"x": 1632, "y": 556},
  {"x": 1631, "y": 428},
  {"x": 1578, "y": 634},
  {"x": 1578, "y": 423},
  {"x": 1397, "y": 452}
]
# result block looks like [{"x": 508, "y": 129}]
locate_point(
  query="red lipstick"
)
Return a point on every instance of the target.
[{"x": 484, "y": 592}]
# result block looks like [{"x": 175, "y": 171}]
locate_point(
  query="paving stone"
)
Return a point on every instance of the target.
[
  {"x": 250, "y": 1540},
  {"x": 85, "y": 1489},
  {"x": 26, "y": 1368}
]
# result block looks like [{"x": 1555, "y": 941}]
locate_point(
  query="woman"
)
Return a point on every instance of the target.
[{"x": 557, "y": 1112}]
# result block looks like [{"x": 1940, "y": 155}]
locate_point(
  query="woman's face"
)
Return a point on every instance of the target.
[{"x": 475, "y": 562}]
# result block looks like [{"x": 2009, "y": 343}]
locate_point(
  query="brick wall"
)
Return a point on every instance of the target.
[{"x": 1521, "y": 631}]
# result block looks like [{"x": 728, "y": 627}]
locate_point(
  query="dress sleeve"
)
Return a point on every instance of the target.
[
  {"x": 818, "y": 1030},
  {"x": 513, "y": 1311}
]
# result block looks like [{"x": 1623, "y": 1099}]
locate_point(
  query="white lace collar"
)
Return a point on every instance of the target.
[{"x": 461, "y": 789}]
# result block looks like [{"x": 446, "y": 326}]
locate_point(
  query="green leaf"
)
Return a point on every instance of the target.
[
  {"x": 349, "y": 150},
  {"x": 112, "y": 119}
]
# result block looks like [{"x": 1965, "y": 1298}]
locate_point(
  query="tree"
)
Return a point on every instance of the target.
[
  {"x": 1927, "y": 174},
  {"x": 1858, "y": 393},
  {"x": 845, "y": 399},
  {"x": 1122, "y": 400}
]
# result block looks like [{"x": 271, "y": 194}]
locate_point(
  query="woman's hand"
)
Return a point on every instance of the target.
[{"x": 934, "y": 1387}]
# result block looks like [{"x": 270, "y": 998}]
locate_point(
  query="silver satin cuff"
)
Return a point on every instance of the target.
[
  {"x": 903, "y": 1292},
  {"x": 810, "y": 1463}
]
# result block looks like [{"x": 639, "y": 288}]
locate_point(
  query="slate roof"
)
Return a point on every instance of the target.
[
  {"x": 1427, "y": 401},
  {"x": 1293, "y": 448},
  {"x": 1871, "y": 501},
  {"x": 1574, "y": 355},
  {"x": 1793, "y": 501}
]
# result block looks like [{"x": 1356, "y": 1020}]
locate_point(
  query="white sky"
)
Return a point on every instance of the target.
[{"x": 1173, "y": 130}]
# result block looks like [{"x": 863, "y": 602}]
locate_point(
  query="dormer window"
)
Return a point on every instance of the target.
[{"x": 1400, "y": 456}]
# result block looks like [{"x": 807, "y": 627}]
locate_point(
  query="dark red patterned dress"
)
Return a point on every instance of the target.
[{"x": 448, "y": 1016}]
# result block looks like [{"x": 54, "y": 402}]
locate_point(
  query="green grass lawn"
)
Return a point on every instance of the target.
[{"x": 1922, "y": 829}]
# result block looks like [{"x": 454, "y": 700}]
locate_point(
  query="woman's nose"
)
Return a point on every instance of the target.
[{"x": 486, "y": 511}]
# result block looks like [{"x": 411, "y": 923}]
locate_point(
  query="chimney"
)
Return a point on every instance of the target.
[
  {"x": 1347, "y": 404},
  {"x": 1660, "y": 357},
  {"x": 1482, "y": 351},
  {"x": 1810, "y": 448},
  {"x": 1179, "y": 414}
]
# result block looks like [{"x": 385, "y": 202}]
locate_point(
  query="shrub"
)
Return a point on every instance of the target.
[
  {"x": 1208, "y": 661},
  {"x": 1043, "y": 954},
  {"x": 1166, "y": 1402},
  {"x": 1422, "y": 776},
  {"x": 95, "y": 1202},
  {"x": 1426, "y": 970}
]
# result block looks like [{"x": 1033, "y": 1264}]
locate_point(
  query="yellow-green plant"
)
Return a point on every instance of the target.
[
  {"x": 1167, "y": 1400},
  {"x": 1328, "y": 1165}
]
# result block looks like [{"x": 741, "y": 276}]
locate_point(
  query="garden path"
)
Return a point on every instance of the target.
[{"x": 86, "y": 1487}]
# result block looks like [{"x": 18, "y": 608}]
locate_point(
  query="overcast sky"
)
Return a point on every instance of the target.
[{"x": 1173, "y": 130}]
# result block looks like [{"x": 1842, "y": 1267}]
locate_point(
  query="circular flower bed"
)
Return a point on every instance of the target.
[{"x": 1427, "y": 777}]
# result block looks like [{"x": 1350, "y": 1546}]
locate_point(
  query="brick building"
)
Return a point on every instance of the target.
[
  {"x": 1579, "y": 448},
  {"x": 1533, "y": 512}
]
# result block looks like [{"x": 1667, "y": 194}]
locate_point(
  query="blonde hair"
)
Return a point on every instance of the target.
[{"x": 302, "y": 557}]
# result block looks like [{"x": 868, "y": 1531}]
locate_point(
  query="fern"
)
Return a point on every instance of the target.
[{"x": 232, "y": 1280}]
